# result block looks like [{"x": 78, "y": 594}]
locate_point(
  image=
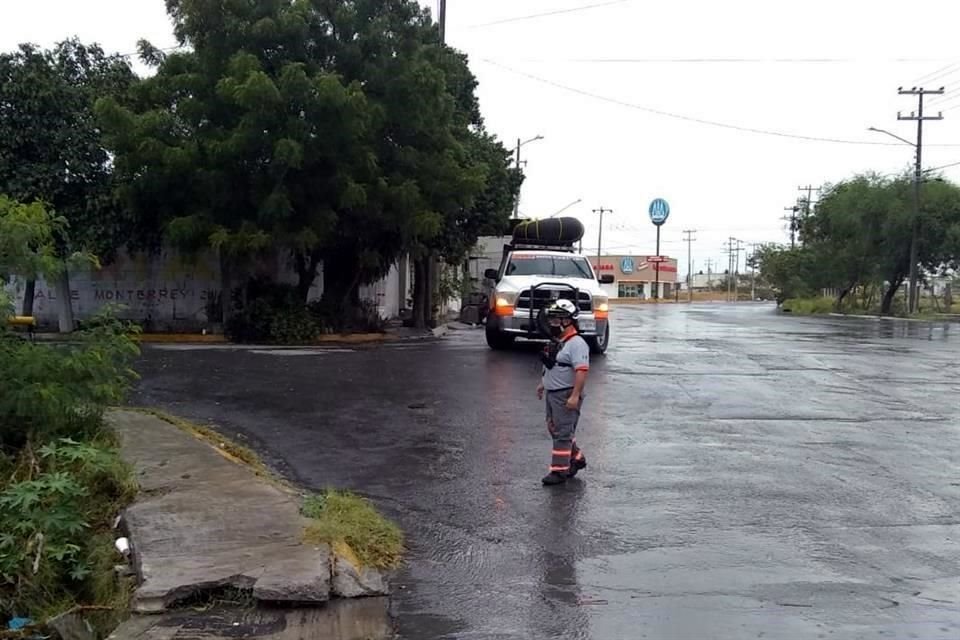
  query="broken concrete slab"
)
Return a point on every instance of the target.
[
  {"x": 203, "y": 522},
  {"x": 350, "y": 580},
  {"x": 365, "y": 619}
]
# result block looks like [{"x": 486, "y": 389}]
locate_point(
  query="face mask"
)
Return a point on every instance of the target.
[{"x": 556, "y": 331}]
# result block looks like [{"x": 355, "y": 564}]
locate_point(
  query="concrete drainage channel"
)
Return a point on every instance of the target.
[
  {"x": 358, "y": 619},
  {"x": 219, "y": 551}
]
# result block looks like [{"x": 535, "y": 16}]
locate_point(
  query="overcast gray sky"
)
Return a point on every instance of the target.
[{"x": 583, "y": 78}]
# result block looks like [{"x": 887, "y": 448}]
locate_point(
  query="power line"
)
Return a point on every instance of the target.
[
  {"x": 946, "y": 166},
  {"x": 941, "y": 76},
  {"x": 163, "y": 50},
  {"x": 548, "y": 14},
  {"x": 724, "y": 60},
  {"x": 677, "y": 116},
  {"x": 926, "y": 78}
]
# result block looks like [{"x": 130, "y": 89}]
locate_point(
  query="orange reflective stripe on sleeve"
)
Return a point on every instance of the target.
[{"x": 583, "y": 367}]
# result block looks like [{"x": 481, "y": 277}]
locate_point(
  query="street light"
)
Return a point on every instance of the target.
[
  {"x": 893, "y": 135},
  {"x": 914, "y": 298},
  {"x": 575, "y": 202},
  {"x": 516, "y": 204}
]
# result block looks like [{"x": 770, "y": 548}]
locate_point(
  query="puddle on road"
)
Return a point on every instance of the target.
[{"x": 359, "y": 619}]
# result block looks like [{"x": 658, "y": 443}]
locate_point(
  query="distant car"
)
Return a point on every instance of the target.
[{"x": 529, "y": 278}]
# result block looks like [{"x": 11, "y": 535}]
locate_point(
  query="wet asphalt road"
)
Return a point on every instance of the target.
[{"x": 750, "y": 476}]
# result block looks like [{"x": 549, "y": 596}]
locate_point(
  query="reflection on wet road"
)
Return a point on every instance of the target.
[{"x": 750, "y": 475}]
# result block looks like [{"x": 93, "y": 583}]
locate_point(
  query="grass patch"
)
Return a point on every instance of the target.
[
  {"x": 809, "y": 306},
  {"x": 227, "y": 447},
  {"x": 344, "y": 518}
]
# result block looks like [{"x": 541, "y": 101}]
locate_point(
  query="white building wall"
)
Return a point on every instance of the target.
[{"x": 172, "y": 292}]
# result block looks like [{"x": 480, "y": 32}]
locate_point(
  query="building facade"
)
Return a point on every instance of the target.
[{"x": 635, "y": 277}]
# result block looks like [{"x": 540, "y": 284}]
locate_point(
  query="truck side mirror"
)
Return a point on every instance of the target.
[
  {"x": 491, "y": 274},
  {"x": 607, "y": 278}
]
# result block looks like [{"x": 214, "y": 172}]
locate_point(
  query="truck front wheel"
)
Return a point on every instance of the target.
[
  {"x": 498, "y": 341},
  {"x": 599, "y": 344}
]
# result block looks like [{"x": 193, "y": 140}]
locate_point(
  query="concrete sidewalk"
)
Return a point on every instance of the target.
[{"x": 204, "y": 522}]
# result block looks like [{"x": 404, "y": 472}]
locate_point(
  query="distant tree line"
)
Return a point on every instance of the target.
[{"x": 856, "y": 241}]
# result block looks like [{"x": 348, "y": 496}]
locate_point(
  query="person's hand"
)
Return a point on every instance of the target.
[
  {"x": 540, "y": 391},
  {"x": 573, "y": 402}
]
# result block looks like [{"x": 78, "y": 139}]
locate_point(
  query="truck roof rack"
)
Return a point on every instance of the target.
[{"x": 523, "y": 246}]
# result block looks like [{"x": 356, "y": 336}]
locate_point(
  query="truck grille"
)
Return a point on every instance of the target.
[{"x": 544, "y": 296}]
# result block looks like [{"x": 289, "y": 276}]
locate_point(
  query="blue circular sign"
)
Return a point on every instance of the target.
[
  {"x": 627, "y": 265},
  {"x": 659, "y": 211}
]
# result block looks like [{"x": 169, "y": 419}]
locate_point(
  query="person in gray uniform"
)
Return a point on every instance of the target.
[{"x": 566, "y": 363}]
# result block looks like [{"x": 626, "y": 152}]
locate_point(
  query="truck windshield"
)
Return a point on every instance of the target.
[{"x": 562, "y": 266}]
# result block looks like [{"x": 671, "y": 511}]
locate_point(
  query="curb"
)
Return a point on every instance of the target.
[
  {"x": 181, "y": 338},
  {"x": 889, "y": 318}
]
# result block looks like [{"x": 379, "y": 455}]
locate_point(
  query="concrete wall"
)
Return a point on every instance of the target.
[{"x": 170, "y": 292}]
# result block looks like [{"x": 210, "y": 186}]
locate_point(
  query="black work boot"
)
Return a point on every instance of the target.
[
  {"x": 576, "y": 467},
  {"x": 554, "y": 478}
]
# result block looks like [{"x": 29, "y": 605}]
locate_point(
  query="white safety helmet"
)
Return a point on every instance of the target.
[{"x": 563, "y": 309}]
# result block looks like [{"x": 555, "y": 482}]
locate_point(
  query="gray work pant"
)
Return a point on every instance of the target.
[{"x": 562, "y": 425}]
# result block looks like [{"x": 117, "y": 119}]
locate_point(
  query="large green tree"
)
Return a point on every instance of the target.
[
  {"x": 858, "y": 237},
  {"x": 340, "y": 131},
  {"x": 50, "y": 144}
]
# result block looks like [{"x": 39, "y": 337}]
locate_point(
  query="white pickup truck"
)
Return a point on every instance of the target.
[{"x": 530, "y": 278}]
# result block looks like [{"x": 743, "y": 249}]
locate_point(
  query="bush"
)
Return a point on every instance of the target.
[
  {"x": 62, "y": 481},
  {"x": 273, "y": 314},
  {"x": 54, "y": 513},
  {"x": 62, "y": 390},
  {"x": 810, "y": 306}
]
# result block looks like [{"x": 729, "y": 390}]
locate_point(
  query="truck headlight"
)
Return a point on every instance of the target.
[
  {"x": 504, "y": 303},
  {"x": 601, "y": 308}
]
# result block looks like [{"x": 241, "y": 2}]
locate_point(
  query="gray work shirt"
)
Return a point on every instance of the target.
[{"x": 575, "y": 353}]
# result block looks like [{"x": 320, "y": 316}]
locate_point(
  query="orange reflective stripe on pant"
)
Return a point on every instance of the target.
[
  {"x": 566, "y": 468},
  {"x": 561, "y": 452}
]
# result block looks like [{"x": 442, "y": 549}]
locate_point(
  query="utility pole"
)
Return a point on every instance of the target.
[
  {"x": 753, "y": 272},
  {"x": 442, "y": 19},
  {"x": 689, "y": 239},
  {"x": 793, "y": 224},
  {"x": 516, "y": 201},
  {"x": 736, "y": 272},
  {"x": 710, "y": 274},
  {"x": 601, "y": 211},
  {"x": 918, "y": 116},
  {"x": 809, "y": 200},
  {"x": 728, "y": 249}
]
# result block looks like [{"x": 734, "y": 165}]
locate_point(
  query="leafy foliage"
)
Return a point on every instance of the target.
[
  {"x": 340, "y": 131},
  {"x": 59, "y": 497},
  {"x": 55, "y": 390},
  {"x": 61, "y": 480},
  {"x": 274, "y": 314},
  {"x": 858, "y": 240},
  {"x": 50, "y": 144}
]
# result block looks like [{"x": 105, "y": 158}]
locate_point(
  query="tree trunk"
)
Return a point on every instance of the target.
[
  {"x": 64, "y": 303},
  {"x": 226, "y": 288},
  {"x": 306, "y": 266},
  {"x": 29, "y": 292},
  {"x": 888, "y": 297},
  {"x": 341, "y": 282},
  {"x": 420, "y": 288},
  {"x": 846, "y": 291}
]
